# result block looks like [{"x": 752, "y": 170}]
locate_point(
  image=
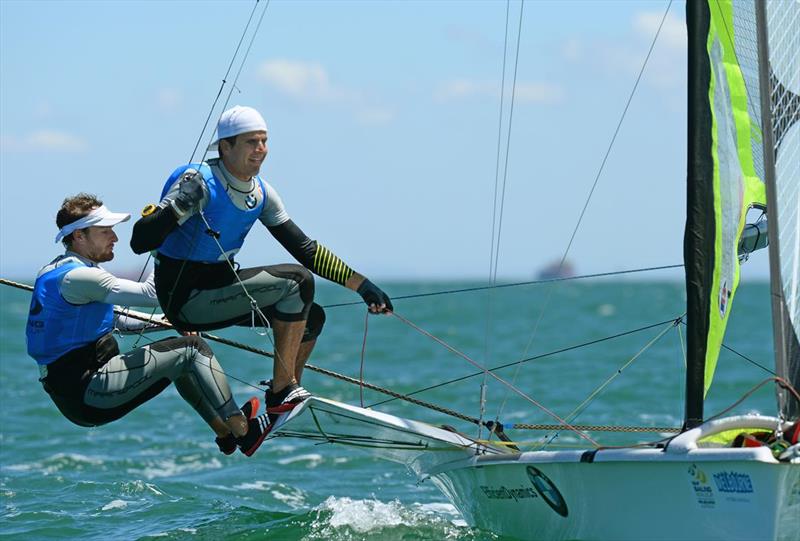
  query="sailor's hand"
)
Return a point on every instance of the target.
[
  {"x": 191, "y": 190},
  {"x": 377, "y": 301}
]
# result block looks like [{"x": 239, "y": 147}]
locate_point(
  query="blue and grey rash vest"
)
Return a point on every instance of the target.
[
  {"x": 192, "y": 240},
  {"x": 56, "y": 327}
]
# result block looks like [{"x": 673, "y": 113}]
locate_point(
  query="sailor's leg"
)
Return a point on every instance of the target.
[
  {"x": 287, "y": 342},
  {"x": 283, "y": 291},
  {"x": 314, "y": 324},
  {"x": 127, "y": 381}
]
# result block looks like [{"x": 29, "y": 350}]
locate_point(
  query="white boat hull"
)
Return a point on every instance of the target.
[
  {"x": 647, "y": 498},
  {"x": 679, "y": 493}
]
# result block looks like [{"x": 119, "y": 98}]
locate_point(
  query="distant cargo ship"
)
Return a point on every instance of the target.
[{"x": 556, "y": 269}]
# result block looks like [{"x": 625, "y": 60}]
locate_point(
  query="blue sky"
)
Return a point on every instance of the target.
[{"x": 383, "y": 125}]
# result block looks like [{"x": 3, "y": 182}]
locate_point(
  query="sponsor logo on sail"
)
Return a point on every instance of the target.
[{"x": 724, "y": 297}]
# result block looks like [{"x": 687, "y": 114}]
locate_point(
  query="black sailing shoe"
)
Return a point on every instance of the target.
[
  {"x": 286, "y": 400},
  {"x": 257, "y": 430},
  {"x": 249, "y": 409}
]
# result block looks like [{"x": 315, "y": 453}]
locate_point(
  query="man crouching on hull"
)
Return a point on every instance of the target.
[
  {"x": 205, "y": 213},
  {"x": 69, "y": 334}
]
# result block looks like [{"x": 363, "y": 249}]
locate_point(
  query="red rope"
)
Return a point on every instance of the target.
[{"x": 363, "y": 354}]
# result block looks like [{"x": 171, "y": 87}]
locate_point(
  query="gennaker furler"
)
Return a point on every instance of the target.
[{"x": 721, "y": 478}]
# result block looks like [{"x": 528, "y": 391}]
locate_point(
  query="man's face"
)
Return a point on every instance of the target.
[
  {"x": 244, "y": 158},
  {"x": 95, "y": 243}
]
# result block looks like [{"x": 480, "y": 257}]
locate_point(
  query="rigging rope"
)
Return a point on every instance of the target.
[
  {"x": 580, "y": 408},
  {"x": 492, "y": 258},
  {"x": 205, "y": 126},
  {"x": 591, "y": 191},
  {"x": 534, "y": 358},
  {"x": 494, "y": 376},
  {"x": 225, "y": 77},
  {"x": 515, "y": 284}
]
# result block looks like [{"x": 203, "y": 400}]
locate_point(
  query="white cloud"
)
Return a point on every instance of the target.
[
  {"x": 526, "y": 92},
  {"x": 302, "y": 80},
  {"x": 666, "y": 66},
  {"x": 169, "y": 98},
  {"x": 539, "y": 93},
  {"x": 572, "y": 50},
  {"x": 673, "y": 33},
  {"x": 310, "y": 82},
  {"x": 43, "y": 140},
  {"x": 374, "y": 116}
]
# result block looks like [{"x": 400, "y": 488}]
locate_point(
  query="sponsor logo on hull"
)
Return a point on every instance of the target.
[{"x": 548, "y": 491}]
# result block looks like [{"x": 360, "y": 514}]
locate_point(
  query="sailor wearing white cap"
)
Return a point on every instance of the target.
[
  {"x": 69, "y": 334},
  {"x": 205, "y": 213}
]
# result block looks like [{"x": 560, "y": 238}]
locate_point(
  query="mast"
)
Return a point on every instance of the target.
[
  {"x": 787, "y": 350},
  {"x": 699, "y": 232}
]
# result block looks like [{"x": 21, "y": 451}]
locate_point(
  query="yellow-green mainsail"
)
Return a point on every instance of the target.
[{"x": 736, "y": 185}]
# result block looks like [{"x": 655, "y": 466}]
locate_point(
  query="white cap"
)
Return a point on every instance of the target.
[
  {"x": 100, "y": 216},
  {"x": 238, "y": 119}
]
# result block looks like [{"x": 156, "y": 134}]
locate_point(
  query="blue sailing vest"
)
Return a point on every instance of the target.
[
  {"x": 192, "y": 241},
  {"x": 56, "y": 327}
]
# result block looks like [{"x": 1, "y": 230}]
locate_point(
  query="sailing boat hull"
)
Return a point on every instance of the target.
[
  {"x": 632, "y": 495},
  {"x": 681, "y": 492}
]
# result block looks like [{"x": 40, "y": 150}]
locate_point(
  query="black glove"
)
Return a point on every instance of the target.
[
  {"x": 190, "y": 193},
  {"x": 373, "y": 296}
]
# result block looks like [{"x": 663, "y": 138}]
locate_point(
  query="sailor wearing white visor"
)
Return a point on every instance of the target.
[{"x": 69, "y": 334}]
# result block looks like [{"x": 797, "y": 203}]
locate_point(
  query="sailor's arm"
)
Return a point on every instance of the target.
[
  {"x": 322, "y": 262},
  {"x": 93, "y": 284},
  {"x": 187, "y": 196}
]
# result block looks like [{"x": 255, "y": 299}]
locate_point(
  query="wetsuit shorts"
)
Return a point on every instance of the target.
[{"x": 204, "y": 296}]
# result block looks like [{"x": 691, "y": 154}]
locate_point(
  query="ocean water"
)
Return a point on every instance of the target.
[{"x": 156, "y": 474}]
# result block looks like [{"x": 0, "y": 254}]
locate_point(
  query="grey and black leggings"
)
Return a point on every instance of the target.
[
  {"x": 91, "y": 388},
  {"x": 206, "y": 296}
]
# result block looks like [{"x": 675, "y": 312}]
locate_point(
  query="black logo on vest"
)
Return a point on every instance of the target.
[
  {"x": 36, "y": 307},
  {"x": 548, "y": 491},
  {"x": 250, "y": 201}
]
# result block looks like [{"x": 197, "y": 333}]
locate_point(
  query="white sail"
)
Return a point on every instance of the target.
[{"x": 780, "y": 103}]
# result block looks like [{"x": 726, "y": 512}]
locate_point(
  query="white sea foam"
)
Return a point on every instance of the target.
[
  {"x": 439, "y": 508},
  {"x": 256, "y": 485},
  {"x": 363, "y": 515},
  {"x": 171, "y": 467},
  {"x": 292, "y": 497},
  {"x": 139, "y": 486},
  {"x": 56, "y": 463},
  {"x": 313, "y": 460},
  {"x": 606, "y": 310},
  {"x": 115, "y": 504}
]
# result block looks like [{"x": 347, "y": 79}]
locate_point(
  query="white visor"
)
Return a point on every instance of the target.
[{"x": 101, "y": 217}]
